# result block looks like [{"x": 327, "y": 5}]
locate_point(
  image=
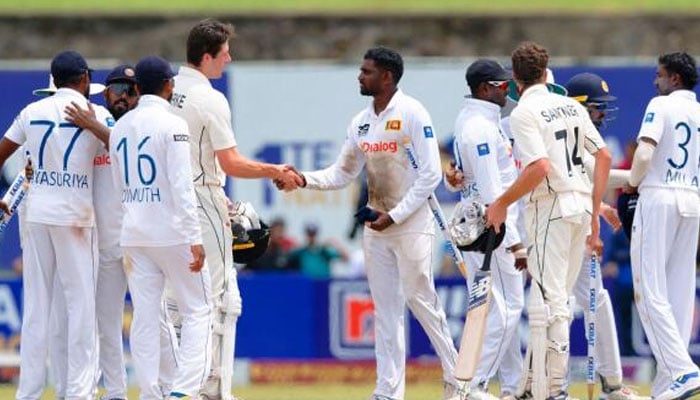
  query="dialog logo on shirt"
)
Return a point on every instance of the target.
[
  {"x": 102, "y": 159},
  {"x": 393, "y": 125},
  {"x": 428, "y": 131},
  {"x": 379, "y": 147},
  {"x": 482, "y": 149},
  {"x": 362, "y": 130},
  {"x": 649, "y": 117}
]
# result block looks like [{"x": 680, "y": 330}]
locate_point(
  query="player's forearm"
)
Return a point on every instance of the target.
[
  {"x": 529, "y": 178},
  {"x": 601, "y": 171},
  {"x": 417, "y": 195},
  {"x": 640, "y": 162}
]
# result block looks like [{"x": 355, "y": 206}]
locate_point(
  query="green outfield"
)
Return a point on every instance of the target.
[
  {"x": 325, "y": 392},
  {"x": 51, "y": 7}
]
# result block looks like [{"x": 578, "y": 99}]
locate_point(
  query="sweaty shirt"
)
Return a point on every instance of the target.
[
  {"x": 548, "y": 125},
  {"x": 149, "y": 151},
  {"x": 208, "y": 117},
  {"x": 62, "y": 154},
  {"x": 395, "y": 185},
  {"x": 673, "y": 122}
]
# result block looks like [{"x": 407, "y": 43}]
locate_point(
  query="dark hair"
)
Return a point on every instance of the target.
[
  {"x": 388, "y": 60},
  {"x": 529, "y": 62},
  {"x": 68, "y": 82},
  {"x": 152, "y": 87},
  {"x": 207, "y": 37},
  {"x": 682, "y": 64}
]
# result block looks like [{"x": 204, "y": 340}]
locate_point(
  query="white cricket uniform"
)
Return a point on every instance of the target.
[
  {"x": 665, "y": 233},
  {"x": 398, "y": 259},
  {"x": 484, "y": 155},
  {"x": 149, "y": 151},
  {"x": 557, "y": 215},
  {"x": 111, "y": 284},
  {"x": 208, "y": 117},
  {"x": 60, "y": 243}
]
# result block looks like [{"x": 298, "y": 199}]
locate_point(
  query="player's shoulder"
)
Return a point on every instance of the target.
[
  {"x": 409, "y": 104},
  {"x": 103, "y": 115}
]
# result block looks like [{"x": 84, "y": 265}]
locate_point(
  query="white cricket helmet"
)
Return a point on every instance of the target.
[{"x": 468, "y": 227}]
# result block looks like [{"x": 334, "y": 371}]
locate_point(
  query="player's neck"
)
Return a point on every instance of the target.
[{"x": 381, "y": 100}]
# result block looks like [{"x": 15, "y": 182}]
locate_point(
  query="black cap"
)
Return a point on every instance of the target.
[
  {"x": 311, "y": 228},
  {"x": 151, "y": 69},
  {"x": 68, "y": 64},
  {"x": 587, "y": 87},
  {"x": 484, "y": 70},
  {"x": 121, "y": 73}
]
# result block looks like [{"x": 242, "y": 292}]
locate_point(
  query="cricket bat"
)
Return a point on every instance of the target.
[
  {"x": 477, "y": 313},
  {"x": 14, "y": 195}
]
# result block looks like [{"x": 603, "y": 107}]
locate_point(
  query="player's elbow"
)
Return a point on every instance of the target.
[{"x": 540, "y": 168}]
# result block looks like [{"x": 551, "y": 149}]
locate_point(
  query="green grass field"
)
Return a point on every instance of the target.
[
  {"x": 325, "y": 392},
  {"x": 51, "y": 7}
]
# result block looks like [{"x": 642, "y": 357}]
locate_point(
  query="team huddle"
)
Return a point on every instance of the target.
[{"x": 532, "y": 183}]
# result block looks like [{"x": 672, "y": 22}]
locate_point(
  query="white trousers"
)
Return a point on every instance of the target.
[
  {"x": 111, "y": 290},
  {"x": 399, "y": 273},
  {"x": 147, "y": 270},
  {"x": 68, "y": 254},
  {"x": 607, "y": 350},
  {"x": 109, "y": 306},
  {"x": 662, "y": 251},
  {"x": 507, "y": 304},
  {"x": 555, "y": 254}
]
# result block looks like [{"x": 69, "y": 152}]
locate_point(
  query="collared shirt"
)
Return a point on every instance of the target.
[
  {"x": 548, "y": 125},
  {"x": 396, "y": 186},
  {"x": 208, "y": 117},
  {"x": 484, "y": 155},
  {"x": 150, "y": 155},
  {"x": 673, "y": 122},
  {"x": 62, "y": 154}
]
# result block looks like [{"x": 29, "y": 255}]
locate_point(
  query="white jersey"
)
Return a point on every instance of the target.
[
  {"x": 208, "y": 117},
  {"x": 63, "y": 160},
  {"x": 149, "y": 151},
  {"x": 395, "y": 186},
  {"x": 484, "y": 155},
  {"x": 483, "y": 152},
  {"x": 548, "y": 125},
  {"x": 108, "y": 210},
  {"x": 673, "y": 122}
]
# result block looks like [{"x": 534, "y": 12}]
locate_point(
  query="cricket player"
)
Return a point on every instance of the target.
[
  {"x": 484, "y": 156},
  {"x": 594, "y": 94},
  {"x": 214, "y": 154},
  {"x": 665, "y": 228},
  {"x": 60, "y": 243},
  {"x": 120, "y": 96},
  {"x": 398, "y": 244},
  {"x": 149, "y": 151},
  {"x": 551, "y": 131}
]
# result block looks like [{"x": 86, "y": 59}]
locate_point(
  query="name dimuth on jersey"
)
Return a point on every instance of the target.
[
  {"x": 61, "y": 179},
  {"x": 144, "y": 194}
]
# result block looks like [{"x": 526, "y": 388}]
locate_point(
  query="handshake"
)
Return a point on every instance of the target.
[{"x": 288, "y": 178}]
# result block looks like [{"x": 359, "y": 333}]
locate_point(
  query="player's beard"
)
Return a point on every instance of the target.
[
  {"x": 118, "y": 108},
  {"x": 365, "y": 91}
]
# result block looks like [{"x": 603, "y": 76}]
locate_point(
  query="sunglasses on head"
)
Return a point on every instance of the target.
[
  {"x": 498, "y": 84},
  {"x": 120, "y": 88}
]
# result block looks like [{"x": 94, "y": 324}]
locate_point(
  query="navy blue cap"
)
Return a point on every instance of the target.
[
  {"x": 484, "y": 70},
  {"x": 121, "y": 73},
  {"x": 68, "y": 64},
  {"x": 152, "y": 69},
  {"x": 587, "y": 87}
]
